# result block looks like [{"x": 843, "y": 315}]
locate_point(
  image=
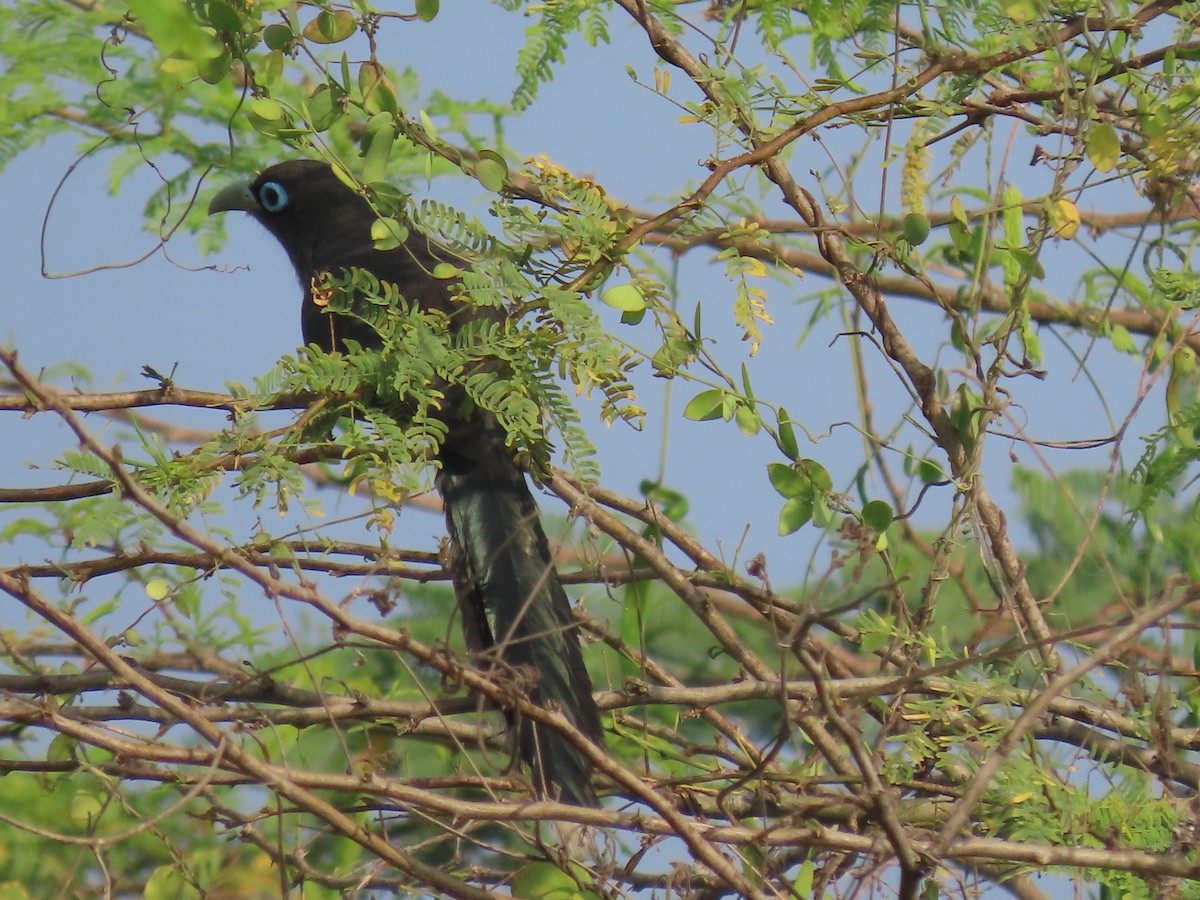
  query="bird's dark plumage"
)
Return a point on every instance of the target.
[{"x": 511, "y": 597}]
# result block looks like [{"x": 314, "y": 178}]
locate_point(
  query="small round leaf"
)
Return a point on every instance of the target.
[
  {"x": 331, "y": 27},
  {"x": 266, "y": 109},
  {"x": 705, "y": 406},
  {"x": 748, "y": 421},
  {"x": 157, "y": 589},
  {"x": 877, "y": 515},
  {"x": 491, "y": 170},
  {"x": 223, "y": 17},
  {"x": 84, "y": 809},
  {"x": 915, "y": 228},
  {"x": 388, "y": 234},
  {"x": 788, "y": 482},
  {"x": 625, "y": 297},
  {"x": 278, "y": 37}
]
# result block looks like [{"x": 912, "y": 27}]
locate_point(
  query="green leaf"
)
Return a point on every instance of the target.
[
  {"x": 796, "y": 512},
  {"x": 1031, "y": 341},
  {"x": 1013, "y": 217},
  {"x": 378, "y": 140},
  {"x": 157, "y": 589},
  {"x": 877, "y": 515},
  {"x": 730, "y": 404},
  {"x": 444, "y": 271},
  {"x": 807, "y": 478},
  {"x": 324, "y": 107},
  {"x": 62, "y": 749},
  {"x": 270, "y": 68},
  {"x": 747, "y": 387},
  {"x": 915, "y": 228},
  {"x": 672, "y": 356},
  {"x": 491, "y": 170},
  {"x": 1020, "y": 11},
  {"x": 803, "y": 884},
  {"x": 266, "y": 116},
  {"x": 543, "y": 881},
  {"x": 84, "y": 810},
  {"x": 930, "y": 472},
  {"x": 1103, "y": 146},
  {"x": 427, "y": 124},
  {"x": 278, "y": 37},
  {"x": 389, "y": 199},
  {"x": 1121, "y": 339},
  {"x": 705, "y": 406},
  {"x": 787, "y": 481},
  {"x": 625, "y": 297},
  {"x": 213, "y": 71},
  {"x": 748, "y": 421},
  {"x": 786, "y": 435},
  {"x": 388, "y": 234},
  {"x": 427, "y": 10},
  {"x": 375, "y": 160},
  {"x": 223, "y": 17},
  {"x": 957, "y": 211},
  {"x": 174, "y": 30},
  {"x": 330, "y": 27},
  {"x": 379, "y": 94},
  {"x": 822, "y": 514},
  {"x": 964, "y": 415},
  {"x": 266, "y": 109},
  {"x": 821, "y": 479},
  {"x": 674, "y": 505},
  {"x": 874, "y": 633},
  {"x": 167, "y": 883}
]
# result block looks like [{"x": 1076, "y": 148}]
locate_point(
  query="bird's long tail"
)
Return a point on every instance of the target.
[{"x": 512, "y": 601}]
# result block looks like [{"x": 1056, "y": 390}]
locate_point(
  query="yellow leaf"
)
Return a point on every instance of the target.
[
  {"x": 625, "y": 297},
  {"x": 1103, "y": 146},
  {"x": 1022, "y": 11},
  {"x": 331, "y": 27},
  {"x": 157, "y": 589},
  {"x": 1065, "y": 218}
]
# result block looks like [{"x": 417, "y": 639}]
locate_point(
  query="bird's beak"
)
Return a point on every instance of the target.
[{"x": 235, "y": 196}]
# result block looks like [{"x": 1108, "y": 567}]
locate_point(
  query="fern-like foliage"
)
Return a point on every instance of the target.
[
  {"x": 545, "y": 47},
  {"x": 1169, "y": 453}
]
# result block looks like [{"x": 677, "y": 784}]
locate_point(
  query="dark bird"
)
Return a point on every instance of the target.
[{"x": 512, "y": 601}]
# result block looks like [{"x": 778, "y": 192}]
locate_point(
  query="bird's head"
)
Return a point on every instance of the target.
[{"x": 304, "y": 204}]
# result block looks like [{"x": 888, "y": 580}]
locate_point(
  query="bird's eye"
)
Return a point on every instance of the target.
[{"x": 273, "y": 196}]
